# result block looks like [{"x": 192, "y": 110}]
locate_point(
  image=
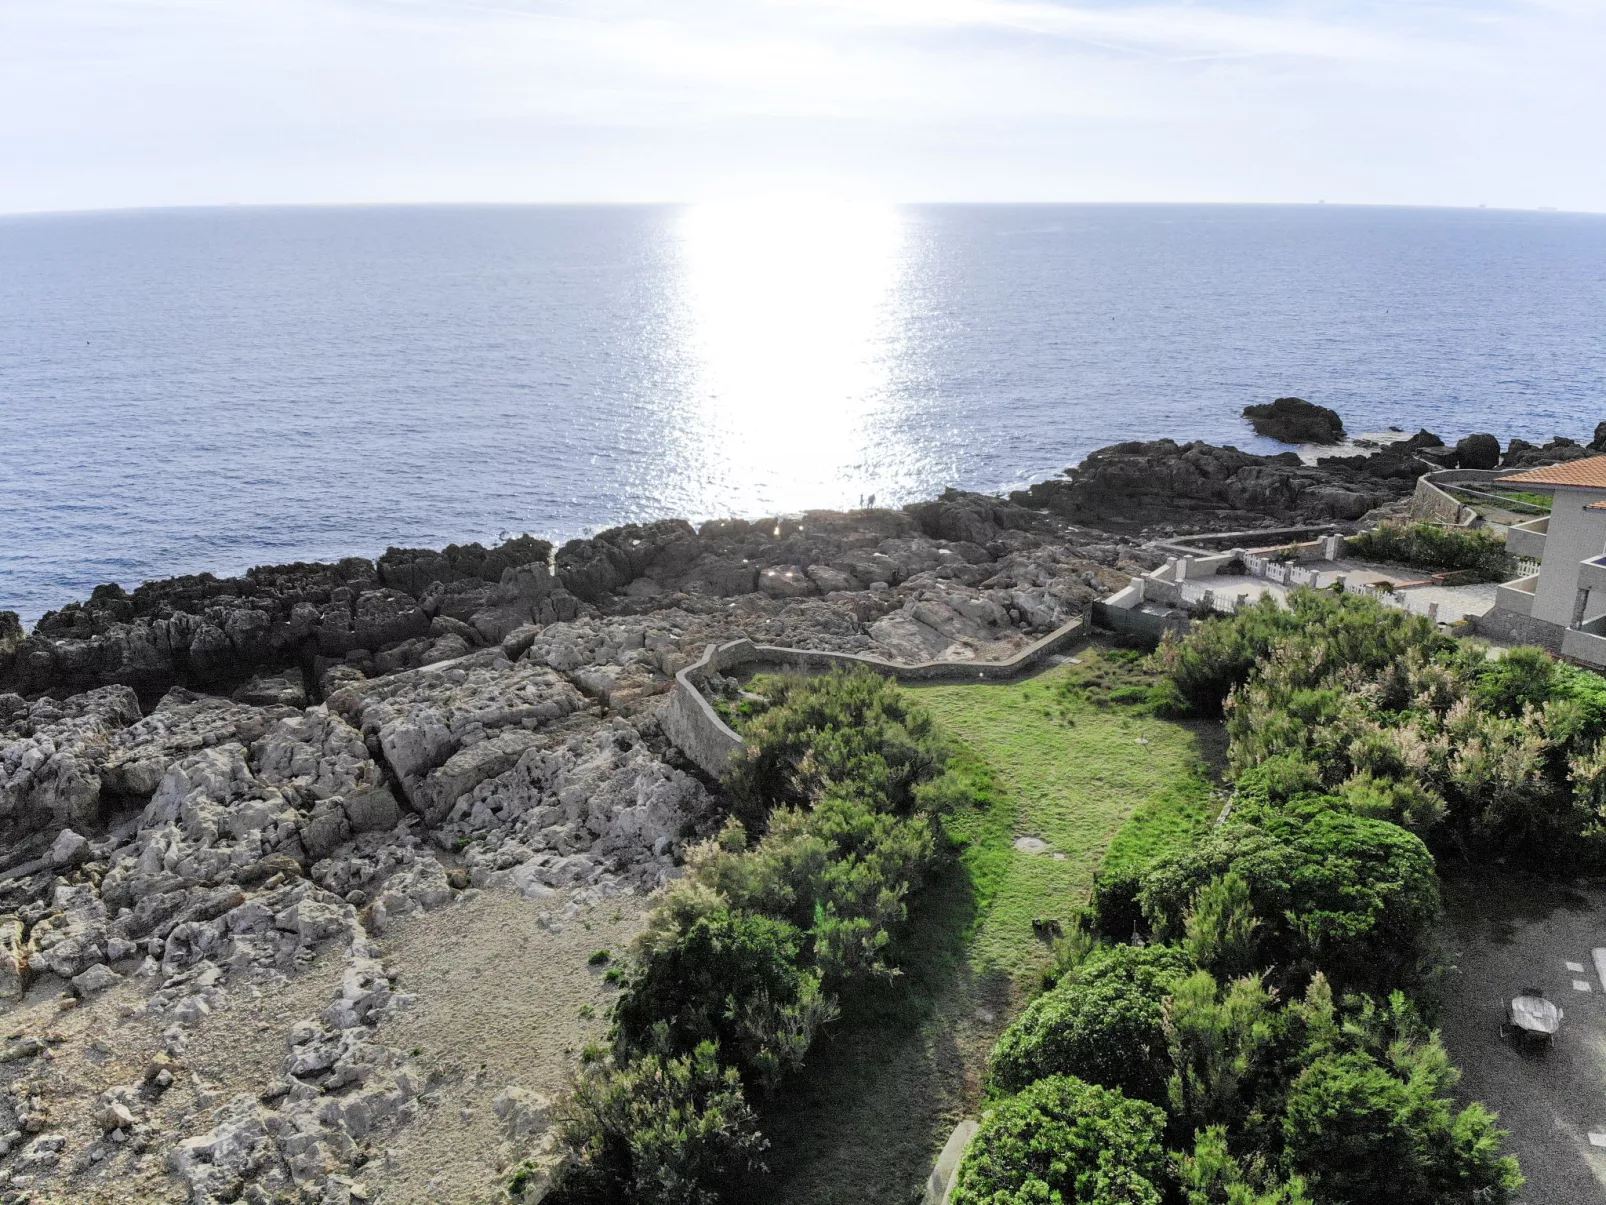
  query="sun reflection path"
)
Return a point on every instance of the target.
[{"x": 791, "y": 322}]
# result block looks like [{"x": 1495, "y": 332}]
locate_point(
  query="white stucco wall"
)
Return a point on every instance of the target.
[{"x": 1575, "y": 535}]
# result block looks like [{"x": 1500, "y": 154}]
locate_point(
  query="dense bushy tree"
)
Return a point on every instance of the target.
[
  {"x": 1212, "y": 1175},
  {"x": 839, "y": 871},
  {"x": 658, "y": 1129},
  {"x": 1335, "y": 630},
  {"x": 705, "y": 971},
  {"x": 841, "y": 733},
  {"x": 1064, "y": 1140},
  {"x": 1362, "y": 1129},
  {"x": 1326, "y": 889},
  {"x": 1218, "y": 1038},
  {"x": 1340, "y": 696},
  {"x": 1103, "y": 1022}
]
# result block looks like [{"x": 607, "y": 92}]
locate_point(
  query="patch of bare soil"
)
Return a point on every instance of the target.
[
  {"x": 506, "y": 1000},
  {"x": 99, "y": 1044}
]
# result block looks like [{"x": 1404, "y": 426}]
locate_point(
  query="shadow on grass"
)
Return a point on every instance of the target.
[{"x": 886, "y": 1083}]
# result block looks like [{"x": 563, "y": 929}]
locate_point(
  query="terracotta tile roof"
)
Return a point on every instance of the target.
[{"x": 1589, "y": 474}]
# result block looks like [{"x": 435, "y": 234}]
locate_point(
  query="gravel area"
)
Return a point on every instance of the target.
[
  {"x": 507, "y": 999},
  {"x": 1506, "y": 933}
]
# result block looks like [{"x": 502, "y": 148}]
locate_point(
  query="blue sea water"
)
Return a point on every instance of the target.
[{"x": 212, "y": 389}]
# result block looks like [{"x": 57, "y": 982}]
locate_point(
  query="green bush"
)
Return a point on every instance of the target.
[
  {"x": 842, "y": 733},
  {"x": 1374, "y": 708},
  {"x": 1063, "y": 1140},
  {"x": 1114, "y": 912},
  {"x": 658, "y": 1130},
  {"x": 1337, "y": 631},
  {"x": 1211, "y": 1175},
  {"x": 1102, "y": 1023},
  {"x": 1479, "y": 553},
  {"x": 705, "y": 971},
  {"x": 1354, "y": 897},
  {"x": 838, "y": 871},
  {"x": 1361, "y": 1130}
]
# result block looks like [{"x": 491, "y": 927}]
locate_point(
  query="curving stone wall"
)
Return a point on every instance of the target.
[{"x": 691, "y": 722}]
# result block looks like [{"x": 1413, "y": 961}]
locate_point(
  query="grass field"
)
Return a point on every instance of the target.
[
  {"x": 1080, "y": 774},
  {"x": 1070, "y": 758}
]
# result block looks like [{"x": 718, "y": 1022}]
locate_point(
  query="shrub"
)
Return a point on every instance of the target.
[
  {"x": 842, "y": 733},
  {"x": 708, "y": 972},
  {"x": 1102, "y": 1023},
  {"x": 1481, "y": 554},
  {"x": 1334, "y": 631},
  {"x": 1064, "y": 1140},
  {"x": 839, "y": 872},
  {"x": 1351, "y": 896},
  {"x": 1212, "y": 1176},
  {"x": 1114, "y": 911},
  {"x": 1361, "y": 1131},
  {"x": 658, "y": 1130}
]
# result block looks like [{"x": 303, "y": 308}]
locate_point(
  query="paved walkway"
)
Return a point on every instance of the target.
[{"x": 1455, "y": 602}]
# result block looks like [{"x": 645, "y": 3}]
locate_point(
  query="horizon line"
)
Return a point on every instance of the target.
[{"x": 785, "y": 196}]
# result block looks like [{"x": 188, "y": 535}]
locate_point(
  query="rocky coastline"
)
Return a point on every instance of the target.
[{"x": 209, "y": 785}]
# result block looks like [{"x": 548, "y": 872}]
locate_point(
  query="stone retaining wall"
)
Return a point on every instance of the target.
[
  {"x": 1512, "y": 627},
  {"x": 1433, "y": 503},
  {"x": 691, "y": 722}
]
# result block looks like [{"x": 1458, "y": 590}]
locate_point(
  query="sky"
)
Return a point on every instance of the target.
[{"x": 125, "y": 103}]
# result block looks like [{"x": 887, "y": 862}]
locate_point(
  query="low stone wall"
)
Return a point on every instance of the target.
[
  {"x": 1143, "y": 625},
  {"x": 1512, "y": 627},
  {"x": 691, "y": 722}
]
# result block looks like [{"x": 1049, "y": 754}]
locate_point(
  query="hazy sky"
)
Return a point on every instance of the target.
[{"x": 107, "y": 103}]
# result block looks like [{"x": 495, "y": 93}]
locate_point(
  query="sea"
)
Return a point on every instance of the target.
[{"x": 210, "y": 389}]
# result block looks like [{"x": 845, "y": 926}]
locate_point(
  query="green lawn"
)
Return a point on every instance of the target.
[
  {"x": 1061, "y": 760},
  {"x": 1073, "y": 760}
]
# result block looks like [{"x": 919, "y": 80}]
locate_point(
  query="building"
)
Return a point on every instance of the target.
[{"x": 1563, "y": 606}]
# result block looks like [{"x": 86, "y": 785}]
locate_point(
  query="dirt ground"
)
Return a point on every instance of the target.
[
  {"x": 1505, "y": 933},
  {"x": 237, "y": 1048},
  {"x": 503, "y": 1001}
]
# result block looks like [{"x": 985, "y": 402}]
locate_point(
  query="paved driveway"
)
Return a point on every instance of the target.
[{"x": 1506, "y": 932}]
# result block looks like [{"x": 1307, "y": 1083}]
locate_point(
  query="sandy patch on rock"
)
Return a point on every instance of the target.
[
  {"x": 502, "y": 990},
  {"x": 238, "y": 1048}
]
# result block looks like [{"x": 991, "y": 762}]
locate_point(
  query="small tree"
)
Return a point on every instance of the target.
[
  {"x": 1063, "y": 1140},
  {"x": 1104, "y": 1023},
  {"x": 854, "y": 733},
  {"x": 707, "y": 972},
  {"x": 1212, "y": 1176},
  {"x": 657, "y": 1130},
  {"x": 1361, "y": 1131}
]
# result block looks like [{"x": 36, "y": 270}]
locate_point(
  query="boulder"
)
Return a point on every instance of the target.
[
  {"x": 1479, "y": 451},
  {"x": 785, "y": 581},
  {"x": 1293, "y": 420},
  {"x": 280, "y": 690},
  {"x": 69, "y": 849},
  {"x": 14, "y": 975}
]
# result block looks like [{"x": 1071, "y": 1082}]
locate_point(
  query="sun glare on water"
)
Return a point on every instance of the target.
[{"x": 789, "y": 326}]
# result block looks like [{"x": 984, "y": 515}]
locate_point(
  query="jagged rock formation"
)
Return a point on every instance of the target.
[
  {"x": 285, "y": 634},
  {"x": 1133, "y": 485}
]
